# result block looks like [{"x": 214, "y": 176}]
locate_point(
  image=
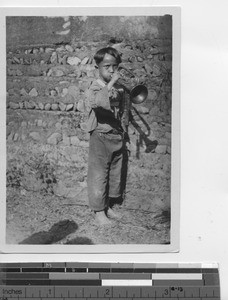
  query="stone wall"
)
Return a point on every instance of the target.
[{"x": 49, "y": 68}]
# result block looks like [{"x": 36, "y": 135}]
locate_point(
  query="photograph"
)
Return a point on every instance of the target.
[{"x": 92, "y": 129}]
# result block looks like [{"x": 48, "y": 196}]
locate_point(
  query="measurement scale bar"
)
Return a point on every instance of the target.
[{"x": 111, "y": 281}]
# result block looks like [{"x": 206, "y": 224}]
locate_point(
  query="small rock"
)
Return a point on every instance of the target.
[
  {"x": 16, "y": 136},
  {"x": 68, "y": 99},
  {"x": 14, "y": 105},
  {"x": 84, "y": 144},
  {"x": 74, "y": 157},
  {"x": 23, "y": 137},
  {"x": 31, "y": 105},
  {"x": 74, "y": 140},
  {"x": 164, "y": 141},
  {"x": 66, "y": 140},
  {"x": 54, "y": 139},
  {"x": 60, "y": 49},
  {"x": 35, "y": 135},
  {"x": 35, "y": 51},
  {"x": 81, "y": 105},
  {"x": 68, "y": 47},
  {"x": 26, "y": 104},
  {"x": 64, "y": 82},
  {"x": 39, "y": 123},
  {"x": 65, "y": 25},
  {"x": 148, "y": 68},
  {"x": 8, "y": 130},
  {"x": 73, "y": 61},
  {"x": 161, "y": 149},
  {"x": 83, "y": 126},
  {"x": 51, "y": 123},
  {"x": 73, "y": 91},
  {"x": 41, "y": 106},
  {"x": 64, "y": 32},
  {"x": 142, "y": 109},
  {"x": 33, "y": 93},
  {"x": 11, "y": 92},
  {"x": 10, "y": 136},
  {"x": 16, "y": 60},
  {"x": 47, "y": 106},
  {"x": 169, "y": 150},
  {"x": 62, "y": 106},
  {"x": 45, "y": 124},
  {"x": 155, "y": 124},
  {"x": 64, "y": 92},
  {"x": 54, "y": 106},
  {"x": 23, "y": 92},
  {"x": 53, "y": 58},
  {"x": 58, "y": 125},
  {"x": 62, "y": 60},
  {"x": 58, "y": 73},
  {"x": 21, "y": 105},
  {"x": 140, "y": 59},
  {"x": 85, "y": 60},
  {"x": 49, "y": 72},
  {"x": 156, "y": 70},
  {"x": 69, "y": 107},
  {"x": 53, "y": 93},
  {"x": 168, "y": 127},
  {"x": 48, "y": 50}
]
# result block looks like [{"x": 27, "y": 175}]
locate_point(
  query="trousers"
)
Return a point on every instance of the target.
[{"x": 105, "y": 165}]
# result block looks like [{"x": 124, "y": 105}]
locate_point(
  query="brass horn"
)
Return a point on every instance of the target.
[{"x": 138, "y": 92}]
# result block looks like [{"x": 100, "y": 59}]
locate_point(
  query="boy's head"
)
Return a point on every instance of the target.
[{"x": 107, "y": 60}]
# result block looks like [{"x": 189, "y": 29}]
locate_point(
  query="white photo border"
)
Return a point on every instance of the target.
[{"x": 175, "y": 11}]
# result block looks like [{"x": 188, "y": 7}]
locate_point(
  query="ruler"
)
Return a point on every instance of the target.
[{"x": 109, "y": 281}]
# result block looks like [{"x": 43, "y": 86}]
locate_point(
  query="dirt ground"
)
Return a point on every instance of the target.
[{"x": 35, "y": 217}]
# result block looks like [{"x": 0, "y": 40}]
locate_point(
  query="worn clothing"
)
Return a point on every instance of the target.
[
  {"x": 104, "y": 169},
  {"x": 105, "y": 107},
  {"x": 106, "y": 145}
]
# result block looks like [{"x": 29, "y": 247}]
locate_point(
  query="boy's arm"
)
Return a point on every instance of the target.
[{"x": 99, "y": 97}]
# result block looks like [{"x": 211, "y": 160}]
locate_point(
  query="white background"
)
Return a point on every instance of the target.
[{"x": 204, "y": 137}]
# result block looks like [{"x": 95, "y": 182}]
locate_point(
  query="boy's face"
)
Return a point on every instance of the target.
[{"x": 107, "y": 67}]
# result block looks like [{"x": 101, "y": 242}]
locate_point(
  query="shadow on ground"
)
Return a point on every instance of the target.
[{"x": 56, "y": 233}]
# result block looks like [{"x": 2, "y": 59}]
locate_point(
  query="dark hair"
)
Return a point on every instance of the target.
[{"x": 99, "y": 56}]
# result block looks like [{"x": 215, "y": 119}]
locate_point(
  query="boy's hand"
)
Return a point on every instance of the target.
[{"x": 114, "y": 79}]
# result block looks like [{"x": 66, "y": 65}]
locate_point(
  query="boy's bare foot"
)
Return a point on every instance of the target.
[
  {"x": 102, "y": 218},
  {"x": 112, "y": 214}
]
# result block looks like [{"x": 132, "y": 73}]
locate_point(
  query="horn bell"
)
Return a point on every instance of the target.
[{"x": 138, "y": 94}]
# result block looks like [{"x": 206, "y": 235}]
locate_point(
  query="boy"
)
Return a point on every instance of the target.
[{"x": 106, "y": 136}]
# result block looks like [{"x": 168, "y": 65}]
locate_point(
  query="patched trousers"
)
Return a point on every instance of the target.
[{"x": 104, "y": 169}]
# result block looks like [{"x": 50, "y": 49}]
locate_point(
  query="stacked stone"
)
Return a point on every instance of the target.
[
  {"x": 52, "y": 80},
  {"x": 56, "y": 78}
]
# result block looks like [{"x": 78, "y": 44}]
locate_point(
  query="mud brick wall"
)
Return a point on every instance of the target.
[{"x": 49, "y": 68}]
